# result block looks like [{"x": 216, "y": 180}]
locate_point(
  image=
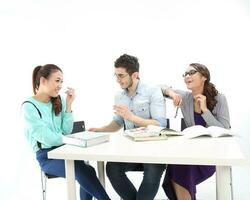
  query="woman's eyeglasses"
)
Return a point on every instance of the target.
[{"x": 190, "y": 73}]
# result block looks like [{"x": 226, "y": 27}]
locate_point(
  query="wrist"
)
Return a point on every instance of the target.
[
  {"x": 204, "y": 110},
  {"x": 68, "y": 109},
  {"x": 170, "y": 93},
  {"x": 132, "y": 118}
]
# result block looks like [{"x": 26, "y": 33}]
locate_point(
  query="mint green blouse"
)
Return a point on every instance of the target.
[{"x": 47, "y": 130}]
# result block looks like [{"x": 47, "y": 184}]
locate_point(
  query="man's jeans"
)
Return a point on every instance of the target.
[{"x": 116, "y": 173}]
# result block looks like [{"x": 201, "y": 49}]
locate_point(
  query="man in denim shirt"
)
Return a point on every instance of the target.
[{"x": 135, "y": 106}]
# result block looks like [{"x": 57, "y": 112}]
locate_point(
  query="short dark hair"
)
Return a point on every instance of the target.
[{"x": 130, "y": 63}]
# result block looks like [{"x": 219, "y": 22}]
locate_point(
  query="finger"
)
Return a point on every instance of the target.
[
  {"x": 69, "y": 89},
  {"x": 180, "y": 102},
  {"x": 116, "y": 107},
  {"x": 175, "y": 103},
  {"x": 120, "y": 108}
]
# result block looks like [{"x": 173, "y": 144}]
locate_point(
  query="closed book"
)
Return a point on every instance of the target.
[{"x": 85, "y": 138}]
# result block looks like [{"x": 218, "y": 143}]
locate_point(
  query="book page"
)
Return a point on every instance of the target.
[
  {"x": 216, "y": 131},
  {"x": 212, "y": 131},
  {"x": 195, "y": 131}
]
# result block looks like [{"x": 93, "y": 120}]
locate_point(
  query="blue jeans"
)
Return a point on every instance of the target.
[
  {"x": 116, "y": 173},
  {"x": 85, "y": 175}
]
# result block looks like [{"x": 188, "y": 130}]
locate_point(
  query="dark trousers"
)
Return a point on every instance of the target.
[
  {"x": 116, "y": 173},
  {"x": 85, "y": 175}
]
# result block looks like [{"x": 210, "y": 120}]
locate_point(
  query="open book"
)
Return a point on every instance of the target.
[
  {"x": 212, "y": 131},
  {"x": 85, "y": 138},
  {"x": 150, "y": 132}
]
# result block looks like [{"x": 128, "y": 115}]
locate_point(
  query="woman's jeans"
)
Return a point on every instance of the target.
[
  {"x": 116, "y": 173},
  {"x": 85, "y": 175}
]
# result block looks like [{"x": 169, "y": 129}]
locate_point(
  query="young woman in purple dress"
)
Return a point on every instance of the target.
[{"x": 202, "y": 105}]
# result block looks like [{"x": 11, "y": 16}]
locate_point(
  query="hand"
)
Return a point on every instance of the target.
[
  {"x": 123, "y": 111},
  {"x": 202, "y": 102},
  {"x": 94, "y": 129},
  {"x": 177, "y": 98},
  {"x": 70, "y": 96}
]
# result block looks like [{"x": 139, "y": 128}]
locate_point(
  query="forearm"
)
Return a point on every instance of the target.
[
  {"x": 140, "y": 122},
  {"x": 211, "y": 120},
  {"x": 68, "y": 108},
  {"x": 169, "y": 92},
  {"x": 112, "y": 127}
]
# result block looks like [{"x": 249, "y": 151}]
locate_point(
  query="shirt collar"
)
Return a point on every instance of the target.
[{"x": 139, "y": 89}]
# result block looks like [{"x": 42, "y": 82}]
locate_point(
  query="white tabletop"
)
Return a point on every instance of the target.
[{"x": 202, "y": 151}]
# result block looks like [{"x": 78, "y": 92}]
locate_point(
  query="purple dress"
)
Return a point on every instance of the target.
[{"x": 188, "y": 176}]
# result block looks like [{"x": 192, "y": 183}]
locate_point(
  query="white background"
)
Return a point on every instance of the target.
[{"x": 85, "y": 37}]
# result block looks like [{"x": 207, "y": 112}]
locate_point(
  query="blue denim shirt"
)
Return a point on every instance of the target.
[{"x": 148, "y": 103}]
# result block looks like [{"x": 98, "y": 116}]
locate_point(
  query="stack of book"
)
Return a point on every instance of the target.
[{"x": 85, "y": 138}]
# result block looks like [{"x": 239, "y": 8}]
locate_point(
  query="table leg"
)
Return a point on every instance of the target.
[
  {"x": 223, "y": 183},
  {"x": 70, "y": 176},
  {"x": 101, "y": 173}
]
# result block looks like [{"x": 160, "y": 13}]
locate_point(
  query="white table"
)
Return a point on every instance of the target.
[{"x": 222, "y": 152}]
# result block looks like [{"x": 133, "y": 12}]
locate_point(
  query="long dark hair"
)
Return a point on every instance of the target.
[
  {"x": 209, "y": 89},
  {"x": 45, "y": 71}
]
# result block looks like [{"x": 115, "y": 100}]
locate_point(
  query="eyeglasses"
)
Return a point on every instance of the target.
[
  {"x": 190, "y": 73},
  {"x": 120, "y": 76}
]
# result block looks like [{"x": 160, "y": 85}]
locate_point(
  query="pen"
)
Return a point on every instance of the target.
[{"x": 176, "y": 112}]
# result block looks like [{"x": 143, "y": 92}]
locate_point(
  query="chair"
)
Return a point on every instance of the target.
[
  {"x": 78, "y": 126},
  {"x": 167, "y": 126}
]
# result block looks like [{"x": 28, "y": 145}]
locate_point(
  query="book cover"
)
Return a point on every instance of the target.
[{"x": 85, "y": 138}]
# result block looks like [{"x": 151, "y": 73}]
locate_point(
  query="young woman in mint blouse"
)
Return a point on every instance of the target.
[
  {"x": 202, "y": 105},
  {"x": 46, "y": 118}
]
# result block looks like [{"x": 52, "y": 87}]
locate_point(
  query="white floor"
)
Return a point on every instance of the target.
[{"x": 56, "y": 188}]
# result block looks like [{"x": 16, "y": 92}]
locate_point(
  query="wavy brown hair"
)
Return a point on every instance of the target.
[
  {"x": 209, "y": 89},
  {"x": 45, "y": 71}
]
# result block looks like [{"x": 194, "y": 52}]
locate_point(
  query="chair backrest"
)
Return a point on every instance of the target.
[
  {"x": 183, "y": 124},
  {"x": 168, "y": 123},
  {"x": 78, "y": 126}
]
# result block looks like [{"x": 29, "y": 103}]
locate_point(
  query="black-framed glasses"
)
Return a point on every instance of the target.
[
  {"x": 121, "y": 76},
  {"x": 190, "y": 73}
]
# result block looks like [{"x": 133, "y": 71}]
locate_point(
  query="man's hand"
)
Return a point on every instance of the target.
[
  {"x": 124, "y": 112},
  {"x": 111, "y": 127},
  {"x": 95, "y": 129}
]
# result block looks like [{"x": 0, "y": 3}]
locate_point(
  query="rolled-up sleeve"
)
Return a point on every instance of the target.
[
  {"x": 158, "y": 107},
  {"x": 119, "y": 120}
]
